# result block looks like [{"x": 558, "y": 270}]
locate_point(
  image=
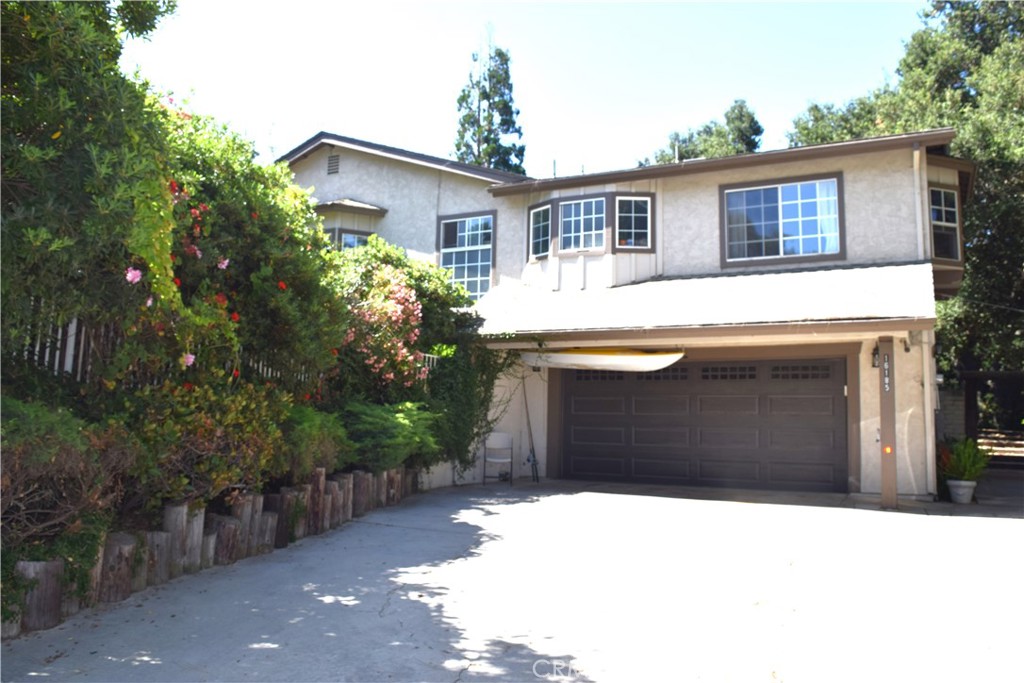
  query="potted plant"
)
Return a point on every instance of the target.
[{"x": 961, "y": 463}]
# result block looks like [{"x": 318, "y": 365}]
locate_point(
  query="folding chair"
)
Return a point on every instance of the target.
[{"x": 498, "y": 451}]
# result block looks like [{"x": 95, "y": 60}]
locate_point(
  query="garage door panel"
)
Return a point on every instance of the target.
[
  {"x": 801, "y": 405},
  {"x": 599, "y": 436},
  {"x": 598, "y": 467},
  {"x": 599, "y": 405},
  {"x": 661, "y": 469},
  {"x": 727, "y": 405},
  {"x": 802, "y": 473},
  {"x": 664, "y": 437},
  {"x": 728, "y": 471},
  {"x": 761, "y": 424},
  {"x": 727, "y": 437},
  {"x": 661, "y": 405},
  {"x": 819, "y": 440}
]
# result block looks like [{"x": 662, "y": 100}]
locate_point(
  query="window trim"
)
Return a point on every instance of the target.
[
  {"x": 650, "y": 248},
  {"x": 550, "y": 205},
  {"x": 959, "y": 222},
  {"x": 441, "y": 220},
  {"x": 723, "y": 237},
  {"x": 331, "y": 231},
  {"x": 556, "y": 224}
]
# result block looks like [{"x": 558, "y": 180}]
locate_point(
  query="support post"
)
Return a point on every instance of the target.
[{"x": 887, "y": 415}]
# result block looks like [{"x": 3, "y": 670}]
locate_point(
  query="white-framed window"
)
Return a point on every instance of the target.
[
  {"x": 800, "y": 218},
  {"x": 633, "y": 222},
  {"x": 466, "y": 251},
  {"x": 346, "y": 239},
  {"x": 582, "y": 224},
  {"x": 945, "y": 213},
  {"x": 540, "y": 231}
]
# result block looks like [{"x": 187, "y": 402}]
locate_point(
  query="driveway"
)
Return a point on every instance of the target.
[{"x": 575, "y": 582}]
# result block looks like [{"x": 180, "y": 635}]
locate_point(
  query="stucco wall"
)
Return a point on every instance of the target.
[
  {"x": 880, "y": 220},
  {"x": 413, "y": 195}
]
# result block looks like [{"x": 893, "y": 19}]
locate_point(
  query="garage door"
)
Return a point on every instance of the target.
[{"x": 763, "y": 424}]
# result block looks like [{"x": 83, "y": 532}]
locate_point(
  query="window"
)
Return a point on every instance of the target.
[
  {"x": 788, "y": 220},
  {"x": 344, "y": 239},
  {"x": 540, "y": 231},
  {"x": 466, "y": 251},
  {"x": 945, "y": 224},
  {"x": 633, "y": 222},
  {"x": 582, "y": 224},
  {"x": 333, "y": 162}
]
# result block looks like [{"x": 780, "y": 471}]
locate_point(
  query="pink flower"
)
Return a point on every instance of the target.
[
  {"x": 132, "y": 275},
  {"x": 149, "y": 302},
  {"x": 187, "y": 359},
  {"x": 223, "y": 263}
]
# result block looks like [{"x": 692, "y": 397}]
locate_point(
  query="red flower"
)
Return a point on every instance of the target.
[
  {"x": 235, "y": 372},
  {"x": 334, "y": 352},
  {"x": 281, "y": 285},
  {"x": 307, "y": 397},
  {"x": 187, "y": 386},
  {"x": 255, "y": 215},
  {"x": 234, "y": 319},
  {"x": 174, "y": 187},
  {"x": 204, "y": 207},
  {"x": 177, "y": 282},
  {"x": 173, "y": 258},
  {"x": 194, "y": 212},
  {"x": 221, "y": 299}
]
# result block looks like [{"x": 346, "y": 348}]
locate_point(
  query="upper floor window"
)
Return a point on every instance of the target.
[
  {"x": 796, "y": 219},
  {"x": 346, "y": 239},
  {"x": 466, "y": 251},
  {"x": 945, "y": 224},
  {"x": 633, "y": 222},
  {"x": 540, "y": 231},
  {"x": 582, "y": 224}
]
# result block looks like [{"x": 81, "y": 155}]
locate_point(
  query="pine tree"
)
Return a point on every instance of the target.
[{"x": 487, "y": 117}]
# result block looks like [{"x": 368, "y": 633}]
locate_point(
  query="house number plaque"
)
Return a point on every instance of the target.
[{"x": 886, "y": 377}]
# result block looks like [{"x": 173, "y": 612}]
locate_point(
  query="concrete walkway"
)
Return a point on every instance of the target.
[{"x": 571, "y": 581}]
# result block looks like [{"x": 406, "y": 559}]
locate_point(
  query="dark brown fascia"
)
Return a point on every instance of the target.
[
  {"x": 652, "y": 336},
  {"x": 325, "y": 138},
  {"x": 938, "y": 137}
]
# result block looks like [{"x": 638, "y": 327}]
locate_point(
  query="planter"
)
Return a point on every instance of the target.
[{"x": 961, "y": 492}]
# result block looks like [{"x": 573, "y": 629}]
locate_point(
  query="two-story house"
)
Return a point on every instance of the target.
[{"x": 763, "y": 321}]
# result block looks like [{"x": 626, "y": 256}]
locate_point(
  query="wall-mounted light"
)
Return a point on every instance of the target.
[{"x": 874, "y": 357}]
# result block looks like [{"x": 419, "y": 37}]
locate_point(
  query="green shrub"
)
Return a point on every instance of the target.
[
  {"x": 963, "y": 460},
  {"x": 201, "y": 439},
  {"x": 388, "y": 436},
  {"x": 313, "y": 439}
]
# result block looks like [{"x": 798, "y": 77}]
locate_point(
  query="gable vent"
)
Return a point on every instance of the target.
[{"x": 332, "y": 163}]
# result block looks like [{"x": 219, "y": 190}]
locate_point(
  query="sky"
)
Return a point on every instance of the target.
[{"x": 599, "y": 85}]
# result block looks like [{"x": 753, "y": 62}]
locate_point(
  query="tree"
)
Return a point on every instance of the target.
[
  {"x": 83, "y": 183},
  {"x": 487, "y": 117},
  {"x": 965, "y": 69},
  {"x": 740, "y": 134}
]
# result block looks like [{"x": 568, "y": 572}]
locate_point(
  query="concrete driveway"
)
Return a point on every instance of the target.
[{"x": 575, "y": 582}]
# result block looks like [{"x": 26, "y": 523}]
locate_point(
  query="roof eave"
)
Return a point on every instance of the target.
[{"x": 941, "y": 136}]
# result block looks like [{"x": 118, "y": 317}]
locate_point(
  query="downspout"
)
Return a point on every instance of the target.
[
  {"x": 927, "y": 338},
  {"x": 930, "y": 386},
  {"x": 918, "y": 204}
]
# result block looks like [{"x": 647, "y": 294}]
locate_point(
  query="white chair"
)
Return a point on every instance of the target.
[{"x": 498, "y": 451}]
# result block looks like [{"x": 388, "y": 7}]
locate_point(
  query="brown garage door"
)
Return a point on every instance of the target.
[{"x": 763, "y": 424}]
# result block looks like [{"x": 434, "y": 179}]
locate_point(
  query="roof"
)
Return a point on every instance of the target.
[
  {"x": 353, "y": 206},
  {"x": 330, "y": 139},
  {"x": 866, "y": 293},
  {"x": 932, "y": 138}
]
